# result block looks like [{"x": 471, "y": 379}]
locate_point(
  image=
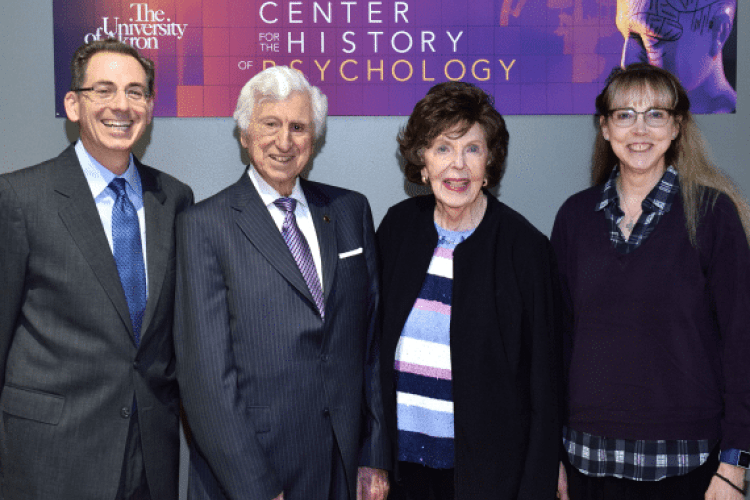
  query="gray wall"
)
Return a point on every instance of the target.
[{"x": 547, "y": 162}]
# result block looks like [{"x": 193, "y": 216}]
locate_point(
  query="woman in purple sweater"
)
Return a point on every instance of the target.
[{"x": 655, "y": 271}]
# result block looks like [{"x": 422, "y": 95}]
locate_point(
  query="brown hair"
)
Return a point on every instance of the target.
[
  {"x": 85, "y": 52},
  {"x": 688, "y": 153},
  {"x": 448, "y": 105}
]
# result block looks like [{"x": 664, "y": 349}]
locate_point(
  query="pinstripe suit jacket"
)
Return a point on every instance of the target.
[
  {"x": 69, "y": 366},
  {"x": 269, "y": 387}
]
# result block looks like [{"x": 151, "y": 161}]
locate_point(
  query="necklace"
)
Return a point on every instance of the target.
[
  {"x": 630, "y": 224},
  {"x": 630, "y": 217}
]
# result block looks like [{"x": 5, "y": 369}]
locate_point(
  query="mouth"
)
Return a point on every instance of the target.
[
  {"x": 282, "y": 158},
  {"x": 639, "y": 147},
  {"x": 120, "y": 125},
  {"x": 457, "y": 184}
]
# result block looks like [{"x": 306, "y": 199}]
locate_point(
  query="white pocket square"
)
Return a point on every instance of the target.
[{"x": 350, "y": 253}]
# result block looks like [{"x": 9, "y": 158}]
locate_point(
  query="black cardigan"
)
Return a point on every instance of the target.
[{"x": 504, "y": 345}]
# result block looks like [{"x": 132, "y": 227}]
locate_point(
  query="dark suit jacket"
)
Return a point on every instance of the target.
[
  {"x": 267, "y": 385},
  {"x": 504, "y": 326},
  {"x": 68, "y": 363}
]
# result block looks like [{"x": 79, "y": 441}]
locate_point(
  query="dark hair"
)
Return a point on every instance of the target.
[
  {"x": 446, "y": 106},
  {"x": 85, "y": 52},
  {"x": 688, "y": 153}
]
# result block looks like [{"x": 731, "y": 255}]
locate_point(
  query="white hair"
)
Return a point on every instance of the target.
[{"x": 277, "y": 83}]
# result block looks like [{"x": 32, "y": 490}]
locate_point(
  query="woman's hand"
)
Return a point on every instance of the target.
[
  {"x": 720, "y": 490},
  {"x": 562, "y": 484}
]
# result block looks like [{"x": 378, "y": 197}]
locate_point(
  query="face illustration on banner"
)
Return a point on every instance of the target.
[{"x": 685, "y": 38}]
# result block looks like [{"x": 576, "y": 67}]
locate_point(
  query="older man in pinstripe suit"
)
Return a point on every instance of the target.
[{"x": 277, "y": 299}]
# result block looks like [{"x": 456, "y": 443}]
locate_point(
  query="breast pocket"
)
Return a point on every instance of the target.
[{"x": 352, "y": 276}]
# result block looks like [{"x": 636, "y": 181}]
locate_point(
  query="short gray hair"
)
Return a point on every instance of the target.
[{"x": 277, "y": 83}]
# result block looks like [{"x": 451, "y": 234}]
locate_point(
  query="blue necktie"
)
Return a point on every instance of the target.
[
  {"x": 126, "y": 241},
  {"x": 297, "y": 244}
]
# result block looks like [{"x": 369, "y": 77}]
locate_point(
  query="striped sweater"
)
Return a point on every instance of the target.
[{"x": 423, "y": 365}]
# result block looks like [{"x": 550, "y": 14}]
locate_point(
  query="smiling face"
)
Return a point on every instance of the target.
[
  {"x": 640, "y": 148},
  {"x": 279, "y": 140},
  {"x": 109, "y": 130},
  {"x": 455, "y": 166}
]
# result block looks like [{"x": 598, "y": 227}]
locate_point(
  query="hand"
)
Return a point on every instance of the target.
[
  {"x": 280, "y": 497},
  {"x": 720, "y": 490},
  {"x": 562, "y": 484},
  {"x": 372, "y": 484}
]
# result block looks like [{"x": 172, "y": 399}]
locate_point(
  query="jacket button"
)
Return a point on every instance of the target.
[
  {"x": 324, "y": 358},
  {"x": 326, "y": 412},
  {"x": 125, "y": 412}
]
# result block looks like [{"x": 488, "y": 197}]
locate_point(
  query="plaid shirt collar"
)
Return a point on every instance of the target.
[
  {"x": 655, "y": 205},
  {"x": 659, "y": 199}
]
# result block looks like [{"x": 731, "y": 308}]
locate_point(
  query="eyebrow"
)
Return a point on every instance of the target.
[{"x": 109, "y": 82}]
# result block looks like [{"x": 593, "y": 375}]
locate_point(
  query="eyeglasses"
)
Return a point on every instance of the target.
[
  {"x": 654, "y": 117},
  {"x": 103, "y": 93}
]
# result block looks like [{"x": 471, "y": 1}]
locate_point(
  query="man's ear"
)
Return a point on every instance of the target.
[
  {"x": 150, "y": 111},
  {"x": 72, "y": 103},
  {"x": 721, "y": 27}
]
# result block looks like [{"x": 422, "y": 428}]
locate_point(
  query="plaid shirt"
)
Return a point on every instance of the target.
[
  {"x": 636, "y": 460},
  {"x": 655, "y": 205}
]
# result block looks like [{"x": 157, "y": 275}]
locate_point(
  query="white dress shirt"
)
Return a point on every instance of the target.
[
  {"x": 301, "y": 212},
  {"x": 99, "y": 177}
]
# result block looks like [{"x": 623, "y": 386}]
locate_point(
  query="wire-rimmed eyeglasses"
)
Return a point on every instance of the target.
[
  {"x": 103, "y": 93},
  {"x": 626, "y": 117}
]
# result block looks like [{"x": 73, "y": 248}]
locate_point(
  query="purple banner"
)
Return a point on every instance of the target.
[{"x": 380, "y": 57}]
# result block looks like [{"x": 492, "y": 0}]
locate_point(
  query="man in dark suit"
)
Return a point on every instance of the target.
[
  {"x": 275, "y": 334},
  {"x": 89, "y": 401}
]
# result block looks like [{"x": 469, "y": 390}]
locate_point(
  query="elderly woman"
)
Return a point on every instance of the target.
[
  {"x": 468, "y": 318},
  {"x": 655, "y": 270},
  {"x": 276, "y": 311}
]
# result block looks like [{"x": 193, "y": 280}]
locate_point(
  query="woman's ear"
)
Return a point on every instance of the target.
[{"x": 603, "y": 126}]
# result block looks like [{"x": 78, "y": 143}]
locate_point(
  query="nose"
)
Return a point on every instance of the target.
[
  {"x": 640, "y": 124},
  {"x": 284, "y": 139},
  {"x": 120, "y": 100},
  {"x": 459, "y": 161}
]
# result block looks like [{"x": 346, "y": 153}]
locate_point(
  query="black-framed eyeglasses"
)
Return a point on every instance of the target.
[
  {"x": 626, "y": 117},
  {"x": 104, "y": 93}
]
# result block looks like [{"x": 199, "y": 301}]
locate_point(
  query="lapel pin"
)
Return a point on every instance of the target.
[{"x": 326, "y": 218}]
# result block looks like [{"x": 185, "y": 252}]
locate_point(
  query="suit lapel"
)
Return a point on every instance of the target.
[
  {"x": 324, "y": 221},
  {"x": 80, "y": 216},
  {"x": 159, "y": 226},
  {"x": 256, "y": 224}
]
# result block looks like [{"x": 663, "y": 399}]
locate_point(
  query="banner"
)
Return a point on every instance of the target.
[{"x": 379, "y": 57}]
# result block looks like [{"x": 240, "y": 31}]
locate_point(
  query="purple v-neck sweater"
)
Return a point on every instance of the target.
[{"x": 658, "y": 341}]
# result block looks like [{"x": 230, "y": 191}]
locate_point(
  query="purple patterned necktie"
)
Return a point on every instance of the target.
[
  {"x": 297, "y": 244},
  {"x": 128, "y": 253}
]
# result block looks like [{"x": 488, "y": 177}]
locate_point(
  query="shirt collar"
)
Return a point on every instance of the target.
[
  {"x": 659, "y": 199},
  {"x": 99, "y": 176},
  {"x": 269, "y": 194}
]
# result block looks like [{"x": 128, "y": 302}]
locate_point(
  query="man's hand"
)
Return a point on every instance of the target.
[
  {"x": 720, "y": 490},
  {"x": 372, "y": 484},
  {"x": 280, "y": 497},
  {"x": 562, "y": 484}
]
